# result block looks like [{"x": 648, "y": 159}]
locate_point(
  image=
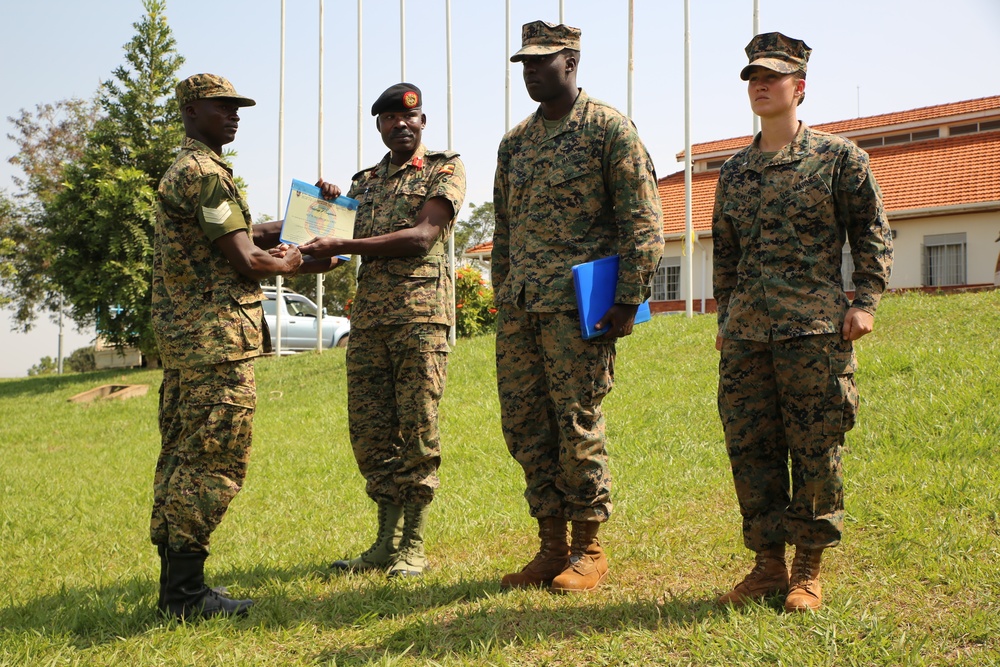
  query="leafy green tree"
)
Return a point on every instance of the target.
[
  {"x": 45, "y": 366},
  {"x": 102, "y": 221},
  {"x": 81, "y": 360},
  {"x": 476, "y": 229},
  {"x": 8, "y": 249},
  {"x": 48, "y": 138}
]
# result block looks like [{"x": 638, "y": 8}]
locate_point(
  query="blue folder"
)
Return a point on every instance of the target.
[{"x": 595, "y": 283}]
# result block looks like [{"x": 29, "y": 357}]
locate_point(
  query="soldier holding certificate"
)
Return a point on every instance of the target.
[{"x": 397, "y": 354}]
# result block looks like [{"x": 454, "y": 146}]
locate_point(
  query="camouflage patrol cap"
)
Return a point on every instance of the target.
[
  {"x": 539, "y": 38},
  {"x": 401, "y": 97},
  {"x": 204, "y": 86},
  {"x": 776, "y": 52}
]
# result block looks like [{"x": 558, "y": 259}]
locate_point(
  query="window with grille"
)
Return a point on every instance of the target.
[
  {"x": 944, "y": 260},
  {"x": 667, "y": 280}
]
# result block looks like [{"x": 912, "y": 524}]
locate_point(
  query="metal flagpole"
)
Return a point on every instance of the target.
[
  {"x": 279, "y": 297},
  {"x": 506, "y": 60},
  {"x": 402, "y": 40},
  {"x": 756, "y": 28},
  {"x": 631, "y": 52},
  {"x": 452, "y": 335},
  {"x": 319, "y": 168},
  {"x": 361, "y": 117},
  {"x": 562, "y": 11},
  {"x": 688, "y": 226}
]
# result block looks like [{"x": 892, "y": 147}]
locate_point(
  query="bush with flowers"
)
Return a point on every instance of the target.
[{"x": 474, "y": 310}]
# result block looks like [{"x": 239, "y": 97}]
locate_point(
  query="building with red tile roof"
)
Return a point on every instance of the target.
[{"x": 939, "y": 171}]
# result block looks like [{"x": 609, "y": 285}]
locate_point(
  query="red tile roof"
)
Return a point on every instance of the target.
[
  {"x": 939, "y": 172},
  {"x": 868, "y": 122},
  {"x": 934, "y": 173}
]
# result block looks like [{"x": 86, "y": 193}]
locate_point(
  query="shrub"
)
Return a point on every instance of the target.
[{"x": 474, "y": 311}]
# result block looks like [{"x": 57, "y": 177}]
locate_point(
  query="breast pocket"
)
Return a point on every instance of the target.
[
  {"x": 408, "y": 204},
  {"x": 577, "y": 189},
  {"x": 809, "y": 210}
]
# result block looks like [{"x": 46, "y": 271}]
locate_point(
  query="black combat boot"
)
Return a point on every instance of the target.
[
  {"x": 186, "y": 596},
  {"x": 161, "y": 550}
]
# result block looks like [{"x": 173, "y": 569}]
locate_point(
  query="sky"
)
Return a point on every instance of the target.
[{"x": 869, "y": 57}]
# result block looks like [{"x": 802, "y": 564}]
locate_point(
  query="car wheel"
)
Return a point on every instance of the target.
[{"x": 343, "y": 341}]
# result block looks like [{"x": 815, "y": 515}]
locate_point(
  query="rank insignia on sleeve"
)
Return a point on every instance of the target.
[
  {"x": 217, "y": 215},
  {"x": 447, "y": 169}
]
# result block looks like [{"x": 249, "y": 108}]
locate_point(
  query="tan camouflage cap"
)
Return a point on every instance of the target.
[
  {"x": 776, "y": 52},
  {"x": 204, "y": 86},
  {"x": 539, "y": 38}
]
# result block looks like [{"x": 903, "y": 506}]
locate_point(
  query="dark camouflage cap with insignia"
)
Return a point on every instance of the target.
[
  {"x": 204, "y": 86},
  {"x": 539, "y": 38},
  {"x": 776, "y": 52},
  {"x": 401, "y": 97}
]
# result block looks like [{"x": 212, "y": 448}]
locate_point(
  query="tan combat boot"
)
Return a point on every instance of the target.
[
  {"x": 768, "y": 576},
  {"x": 804, "y": 591},
  {"x": 411, "y": 559},
  {"x": 587, "y": 565},
  {"x": 551, "y": 559},
  {"x": 382, "y": 553}
]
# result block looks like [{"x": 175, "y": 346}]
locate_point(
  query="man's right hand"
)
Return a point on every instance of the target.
[{"x": 293, "y": 259}]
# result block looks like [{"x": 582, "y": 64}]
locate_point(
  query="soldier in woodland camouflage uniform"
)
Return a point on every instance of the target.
[
  {"x": 784, "y": 206},
  {"x": 209, "y": 327},
  {"x": 574, "y": 183},
  {"x": 397, "y": 355}
]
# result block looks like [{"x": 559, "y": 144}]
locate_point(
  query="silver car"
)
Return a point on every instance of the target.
[{"x": 298, "y": 322}]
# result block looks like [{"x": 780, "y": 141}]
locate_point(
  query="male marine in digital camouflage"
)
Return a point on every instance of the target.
[
  {"x": 209, "y": 327},
  {"x": 573, "y": 184},
  {"x": 783, "y": 209},
  {"x": 397, "y": 355}
]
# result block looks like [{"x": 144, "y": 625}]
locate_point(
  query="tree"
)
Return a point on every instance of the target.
[
  {"x": 102, "y": 221},
  {"x": 476, "y": 229},
  {"x": 48, "y": 139},
  {"x": 45, "y": 366},
  {"x": 82, "y": 360},
  {"x": 8, "y": 249}
]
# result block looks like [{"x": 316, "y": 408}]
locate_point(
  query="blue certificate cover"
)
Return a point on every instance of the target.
[
  {"x": 308, "y": 215},
  {"x": 595, "y": 284}
]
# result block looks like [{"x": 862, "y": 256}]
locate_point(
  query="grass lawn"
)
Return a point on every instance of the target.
[{"x": 916, "y": 580}]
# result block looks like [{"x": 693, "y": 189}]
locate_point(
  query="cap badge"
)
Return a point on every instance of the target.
[{"x": 410, "y": 100}]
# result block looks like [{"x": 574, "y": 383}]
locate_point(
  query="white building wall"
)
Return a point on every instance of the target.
[{"x": 981, "y": 230}]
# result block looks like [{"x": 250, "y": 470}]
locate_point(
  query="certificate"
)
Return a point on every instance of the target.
[{"x": 308, "y": 215}]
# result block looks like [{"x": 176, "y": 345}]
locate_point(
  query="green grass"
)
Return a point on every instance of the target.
[{"x": 915, "y": 582}]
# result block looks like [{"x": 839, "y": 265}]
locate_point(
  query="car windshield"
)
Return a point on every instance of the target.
[
  {"x": 269, "y": 306},
  {"x": 300, "y": 308}
]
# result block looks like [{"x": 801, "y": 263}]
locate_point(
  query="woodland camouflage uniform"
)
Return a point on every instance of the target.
[
  {"x": 209, "y": 326},
  {"x": 397, "y": 355}
]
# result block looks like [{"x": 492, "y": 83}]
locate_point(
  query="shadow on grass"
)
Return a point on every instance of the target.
[
  {"x": 64, "y": 384},
  {"x": 422, "y": 617},
  {"x": 88, "y": 616},
  {"x": 522, "y": 623}
]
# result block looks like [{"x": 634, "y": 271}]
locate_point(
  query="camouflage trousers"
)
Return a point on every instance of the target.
[
  {"x": 395, "y": 381},
  {"x": 206, "y": 424},
  {"x": 788, "y": 399},
  {"x": 551, "y": 383}
]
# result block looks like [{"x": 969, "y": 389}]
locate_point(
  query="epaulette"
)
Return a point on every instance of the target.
[
  {"x": 363, "y": 171},
  {"x": 447, "y": 154}
]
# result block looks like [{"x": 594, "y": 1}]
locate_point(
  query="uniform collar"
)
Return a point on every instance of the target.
[
  {"x": 571, "y": 122},
  {"x": 794, "y": 151},
  {"x": 416, "y": 161},
  {"x": 195, "y": 145}
]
